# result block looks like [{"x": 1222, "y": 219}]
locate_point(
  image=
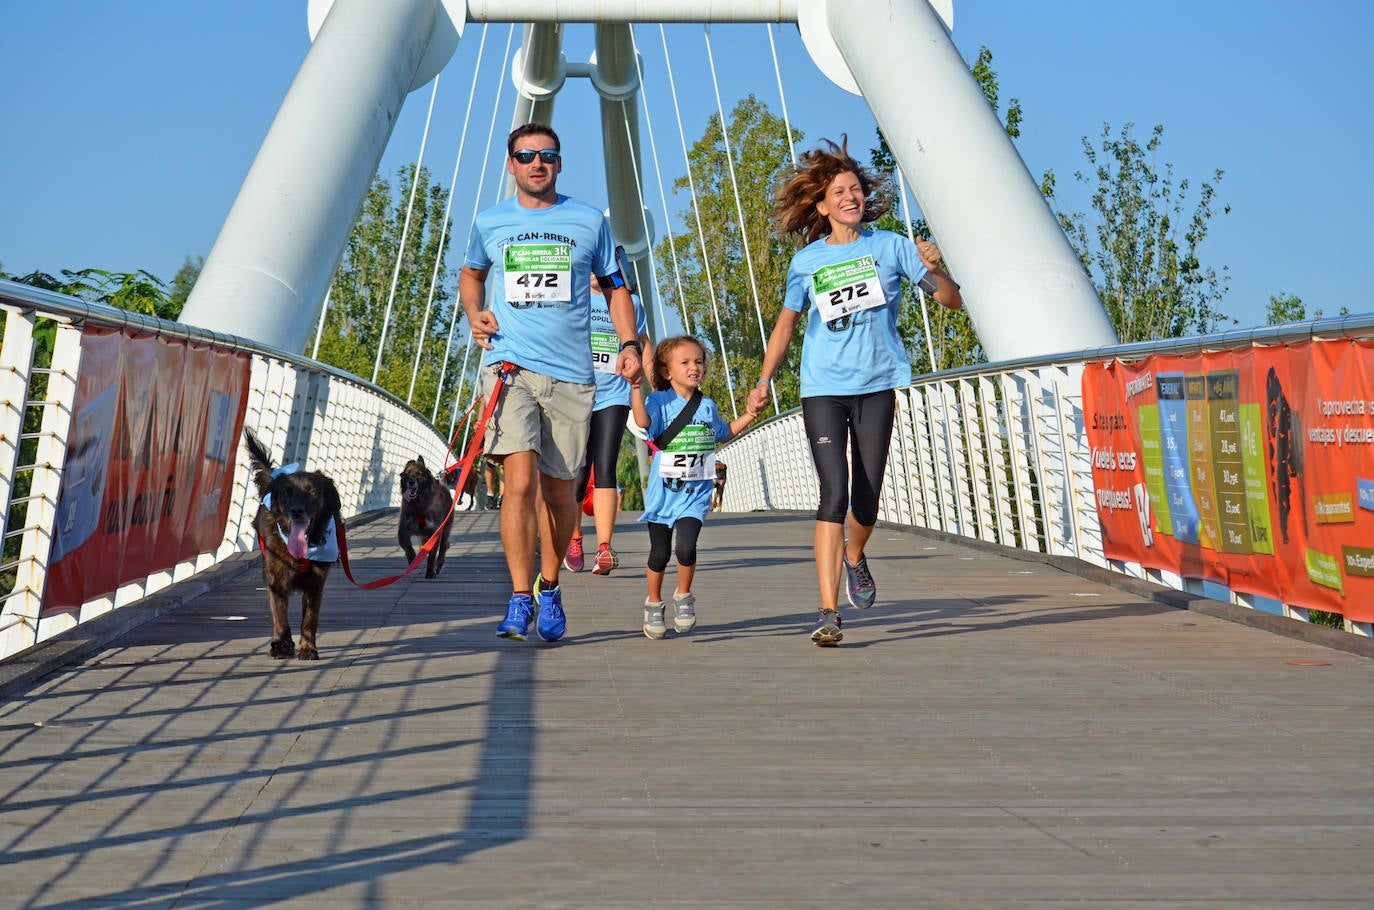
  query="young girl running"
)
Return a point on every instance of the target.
[{"x": 682, "y": 473}]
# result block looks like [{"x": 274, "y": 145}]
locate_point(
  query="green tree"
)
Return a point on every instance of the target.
[
  {"x": 183, "y": 282},
  {"x": 1140, "y": 243},
  {"x": 1284, "y": 308},
  {"x": 353, "y": 323},
  {"x": 138, "y": 291},
  {"x": 724, "y": 306},
  {"x": 627, "y": 475}
]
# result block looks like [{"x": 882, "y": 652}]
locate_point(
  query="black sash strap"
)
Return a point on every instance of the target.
[{"x": 684, "y": 417}]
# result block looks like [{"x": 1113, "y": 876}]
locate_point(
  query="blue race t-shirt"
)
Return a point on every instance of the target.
[
  {"x": 681, "y": 476},
  {"x": 611, "y": 387},
  {"x": 540, "y": 262},
  {"x": 852, "y": 293}
]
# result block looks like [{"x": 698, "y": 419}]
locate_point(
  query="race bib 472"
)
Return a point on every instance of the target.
[{"x": 538, "y": 271}]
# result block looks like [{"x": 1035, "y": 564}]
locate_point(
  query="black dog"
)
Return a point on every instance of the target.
[
  {"x": 1283, "y": 426},
  {"x": 425, "y": 505},
  {"x": 295, "y": 526},
  {"x": 718, "y": 487}
]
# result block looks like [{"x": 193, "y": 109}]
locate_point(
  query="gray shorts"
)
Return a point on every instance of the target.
[{"x": 540, "y": 414}]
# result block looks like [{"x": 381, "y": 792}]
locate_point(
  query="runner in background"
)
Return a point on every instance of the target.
[{"x": 610, "y": 412}]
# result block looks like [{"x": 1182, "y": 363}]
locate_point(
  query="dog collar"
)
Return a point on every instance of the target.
[{"x": 327, "y": 551}]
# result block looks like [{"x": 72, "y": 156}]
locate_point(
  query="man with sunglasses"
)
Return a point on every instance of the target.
[{"x": 542, "y": 250}]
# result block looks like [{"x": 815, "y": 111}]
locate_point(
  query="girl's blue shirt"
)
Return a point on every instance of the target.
[{"x": 661, "y": 504}]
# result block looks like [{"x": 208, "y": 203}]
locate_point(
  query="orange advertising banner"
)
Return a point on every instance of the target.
[
  {"x": 150, "y": 458},
  {"x": 1252, "y": 468}
]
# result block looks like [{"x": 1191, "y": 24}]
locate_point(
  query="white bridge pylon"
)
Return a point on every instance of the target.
[{"x": 269, "y": 270}]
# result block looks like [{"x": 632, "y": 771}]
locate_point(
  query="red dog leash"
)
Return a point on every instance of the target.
[{"x": 474, "y": 449}]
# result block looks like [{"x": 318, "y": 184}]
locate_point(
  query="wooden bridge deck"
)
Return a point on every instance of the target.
[{"x": 997, "y": 733}]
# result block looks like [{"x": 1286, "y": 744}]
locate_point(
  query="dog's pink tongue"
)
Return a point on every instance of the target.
[{"x": 296, "y": 544}]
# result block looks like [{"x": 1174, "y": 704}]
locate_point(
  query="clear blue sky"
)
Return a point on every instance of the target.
[{"x": 129, "y": 125}]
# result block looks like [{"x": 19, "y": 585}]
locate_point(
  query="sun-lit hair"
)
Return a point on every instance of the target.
[
  {"x": 659, "y": 378},
  {"x": 795, "y": 209},
  {"x": 530, "y": 129}
]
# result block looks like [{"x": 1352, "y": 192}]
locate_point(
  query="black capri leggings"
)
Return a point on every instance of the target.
[
  {"x": 865, "y": 421},
  {"x": 603, "y": 447},
  {"x": 661, "y": 541}
]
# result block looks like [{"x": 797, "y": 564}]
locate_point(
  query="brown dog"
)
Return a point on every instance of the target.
[
  {"x": 425, "y": 505},
  {"x": 295, "y": 526}
]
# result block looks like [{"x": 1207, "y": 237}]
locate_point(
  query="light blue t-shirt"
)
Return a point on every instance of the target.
[
  {"x": 665, "y": 503},
  {"x": 611, "y": 387},
  {"x": 540, "y": 264},
  {"x": 852, "y": 294}
]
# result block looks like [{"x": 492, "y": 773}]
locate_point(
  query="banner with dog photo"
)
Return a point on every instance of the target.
[
  {"x": 1252, "y": 468},
  {"x": 148, "y": 478}
]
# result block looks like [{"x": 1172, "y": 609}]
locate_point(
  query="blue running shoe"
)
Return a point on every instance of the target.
[
  {"x": 517, "y": 621},
  {"x": 827, "y": 632},
  {"x": 553, "y": 622},
  {"x": 859, "y": 583}
]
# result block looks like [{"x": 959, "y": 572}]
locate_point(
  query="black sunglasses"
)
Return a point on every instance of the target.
[{"x": 526, "y": 156}]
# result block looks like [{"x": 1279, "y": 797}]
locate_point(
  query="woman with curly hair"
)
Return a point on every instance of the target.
[{"x": 848, "y": 280}]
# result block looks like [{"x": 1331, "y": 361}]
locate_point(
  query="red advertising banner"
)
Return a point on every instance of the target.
[
  {"x": 150, "y": 458},
  {"x": 1253, "y": 468}
]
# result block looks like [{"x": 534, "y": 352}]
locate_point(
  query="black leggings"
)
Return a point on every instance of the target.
[
  {"x": 865, "y": 421},
  {"x": 661, "y": 541},
  {"x": 603, "y": 447}
]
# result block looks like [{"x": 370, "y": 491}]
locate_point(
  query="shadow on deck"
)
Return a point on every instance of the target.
[{"x": 996, "y": 733}]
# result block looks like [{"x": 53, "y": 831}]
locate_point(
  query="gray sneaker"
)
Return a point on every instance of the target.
[
  {"x": 654, "y": 626},
  {"x": 828, "y": 629},
  {"x": 685, "y": 615},
  {"x": 859, "y": 583}
]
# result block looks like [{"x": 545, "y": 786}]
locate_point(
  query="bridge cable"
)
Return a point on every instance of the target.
[
  {"x": 643, "y": 214},
  {"x": 696, "y": 210},
  {"x": 458, "y": 303},
  {"x": 739, "y": 209},
  {"x": 663, "y": 199},
  {"x": 319, "y": 326},
  {"x": 911, "y": 235},
  {"x": 443, "y": 241},
  {"x": 405, "y": 231},
  {"x": 787, "y": 123},
  {"x": 476, "y": 202}
]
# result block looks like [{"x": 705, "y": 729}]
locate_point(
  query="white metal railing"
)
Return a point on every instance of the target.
[
  {"x": 999, "y": 453},
  {"x": 306, "y": 412}
]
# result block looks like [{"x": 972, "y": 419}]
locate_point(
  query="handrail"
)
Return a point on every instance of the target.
[
  {"x": 78, "y": 312},
  {"x": 1350, "y": 326},
  {"x": 305, "y": 411},
  {"x": 999, "y": 452}
]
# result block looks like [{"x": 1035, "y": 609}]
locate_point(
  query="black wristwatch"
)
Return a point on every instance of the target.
[{"x": 633, "y": 343}]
